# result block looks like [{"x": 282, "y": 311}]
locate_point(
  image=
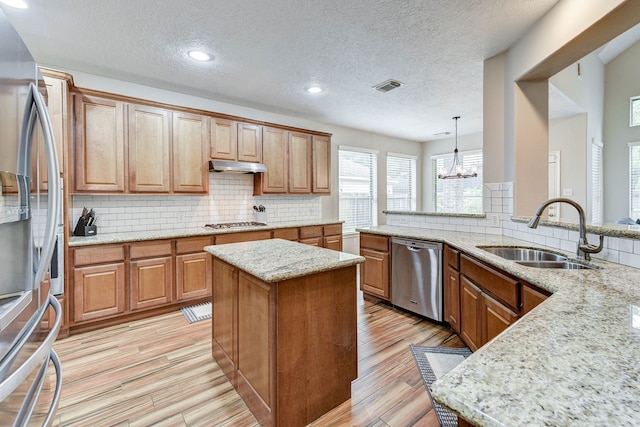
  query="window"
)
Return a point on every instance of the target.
[
  {"x": 634, "y": 180},
  {"x": 401, "y": 182},
  {"x": 358, "y": 180},
  {"x": 635, "y": 111},
  {"x": 458, "y": 195},
  {"x": 596, "y": 182}
]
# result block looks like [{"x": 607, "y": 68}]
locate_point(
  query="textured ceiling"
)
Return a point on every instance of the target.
[{"x": 268, "y": 52}]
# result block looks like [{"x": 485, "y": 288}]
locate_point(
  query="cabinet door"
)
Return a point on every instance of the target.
[
  {"x": 496, "y": 317},
  {"x": 149, "y": 149},
  {"x": 151, "y": 282},
  {"x": 249, "y": 143},
  {"x": 374, "y": 273},
  {"x": 98, "y": 291},
  {"x": 471, "y": 314},
  {"x": 299, "y": 163},
  {"x": 274, "y": 156},
  {"x": 99, "y": 145},
  {"x": 321, "y": 166},
  {"x": 333, "y": 242},
  {"x": 190, "y": 153},
  {"x": 312, "y": 241},
  {"x": 224, "y": 320},
  {"x": 531, "y": 297},
  {"x": 193, "y": 276},
  {"x": 224, "y": 139},
  {"x": 452, "y": 298}
]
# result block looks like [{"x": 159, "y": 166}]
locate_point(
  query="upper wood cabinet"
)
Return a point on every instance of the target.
[
  {"x": 274, "y": 148},
  {"x": 321, "y": 164},
  {"x": 99, "y": 145},
  {"x": 299, "y": 162},
  {"x": 190, "y": 149},
  {"x": 149, "y": 149},
  {"x": 231, "y": 140},
  {"x": 249, "y": 143}
]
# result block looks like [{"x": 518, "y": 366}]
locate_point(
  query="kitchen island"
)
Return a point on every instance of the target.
[{"x": 284, "y": 327}]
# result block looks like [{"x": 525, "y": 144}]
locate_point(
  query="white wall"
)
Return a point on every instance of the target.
[
  {"x": 442, "y": 146},
  {"x": 622, "y": 82},
  {"x": 341, "y": 135}
]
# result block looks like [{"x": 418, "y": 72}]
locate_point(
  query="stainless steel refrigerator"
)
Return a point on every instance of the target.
[{"x": 28, "y": 223}]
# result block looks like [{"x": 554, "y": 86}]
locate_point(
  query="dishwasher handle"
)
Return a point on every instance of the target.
[
  {"x": 417, "y": 245},
  {"x": 414, "y": 248}
]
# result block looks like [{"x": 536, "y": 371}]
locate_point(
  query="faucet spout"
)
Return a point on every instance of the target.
[{"x": 584, "y": 248}]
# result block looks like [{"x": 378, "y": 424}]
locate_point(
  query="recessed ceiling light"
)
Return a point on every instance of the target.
[
  {"x": 314, "y": 89},
  {"x": 199, "y": 55},
  {"x": 18, "y": 4}
]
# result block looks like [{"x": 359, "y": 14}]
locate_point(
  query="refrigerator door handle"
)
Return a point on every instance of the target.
[
  {"x": 36, "y": 109},
  {"x": 37, "y": 357}
]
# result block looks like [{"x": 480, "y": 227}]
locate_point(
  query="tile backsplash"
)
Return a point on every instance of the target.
[{"x": 230, "y": 199}]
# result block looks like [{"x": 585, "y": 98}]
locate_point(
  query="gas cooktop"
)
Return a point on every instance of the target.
[{"x": 234, "y": 225}]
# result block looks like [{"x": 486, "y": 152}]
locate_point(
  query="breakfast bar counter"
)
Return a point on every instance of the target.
[{"x": 284, "y": 327}]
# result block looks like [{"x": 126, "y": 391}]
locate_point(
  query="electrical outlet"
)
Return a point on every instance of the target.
[
  {"x": 180, "y": 217},
  {"x": 495, "y": 220}
]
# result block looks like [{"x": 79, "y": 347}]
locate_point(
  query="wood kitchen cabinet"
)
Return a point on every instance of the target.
[
  {"x": 224, "y": 322},
  {"x": 452, "y": 287},
  {"x": 190, "y": 153},
  {"x": 532, "y": 296},
  {"x": 233, "y": 141},
  {"x": 149, "y": 148},
  {"x": 321, "y": 164},
  {"x": 99, "y": 145},
  {"x": 299, "y": 153},
  {"x": 375, "y": 271},
  {"x": 471, "y": 317},
  {"x": 151, "y": 277},
  {"x": 311, "y": 235},
  {"x": 274, "y": 157},
  {"x": 193, "y": 268},
  {"x": 99, "y": 282},
  {"x": 332, "y": 237},
  {"x": 244, "y": 236}
]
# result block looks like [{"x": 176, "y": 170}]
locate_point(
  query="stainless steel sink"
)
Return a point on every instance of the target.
[
  {"x": 523, "y": 254},
  {"x": 565, "y": 265}
]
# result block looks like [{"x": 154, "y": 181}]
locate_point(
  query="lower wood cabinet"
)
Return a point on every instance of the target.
[
  {"x": 471, "y": 314},
  {"x": 151, "y": 282},
  {"x": 375, "y": 271},
  {"x": 193, "y": 276},
  {"x": 532, "y": 296},
  {"x": 452, "y": 298},
  {"x": 224, "y": 320},
  {"x": 495, "y": 318},
  {"x": 99, "y": 291}
]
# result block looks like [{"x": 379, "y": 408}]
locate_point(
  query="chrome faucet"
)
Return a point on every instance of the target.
[{"x": 584, "y": 248}]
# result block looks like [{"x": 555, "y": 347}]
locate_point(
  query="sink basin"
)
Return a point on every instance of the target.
[
  {"x": 523, "y": 254},
  {"x": 565, "y": 265}
]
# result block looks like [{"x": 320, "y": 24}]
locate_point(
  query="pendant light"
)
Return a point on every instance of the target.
[{"x": 457, "y": 171}]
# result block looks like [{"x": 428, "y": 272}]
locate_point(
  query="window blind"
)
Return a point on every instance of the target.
[
  {"x": 401, "y": 183},
  {"x": 596, "y": 183},
  {"x": 358, "y": 181},
  {"x": 635, "y": 111},
  {"x": 458, "y": 195},
  {"x": 634, "y": 180}
]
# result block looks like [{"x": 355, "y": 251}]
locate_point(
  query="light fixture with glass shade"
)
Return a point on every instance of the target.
[{"x": 456, "y": 170}]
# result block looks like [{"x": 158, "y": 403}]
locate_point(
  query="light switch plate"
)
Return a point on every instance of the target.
[{"x": 567, "y": 191}]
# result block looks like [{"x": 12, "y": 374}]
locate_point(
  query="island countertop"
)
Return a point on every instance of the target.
[
  {"x": 573, "y": 360},
  {"x": 276, "y": 260}
]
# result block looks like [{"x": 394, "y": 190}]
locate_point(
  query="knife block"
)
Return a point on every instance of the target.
[
  {"x": 260, "y": 217},
  {"x": 85, "y": 230}
]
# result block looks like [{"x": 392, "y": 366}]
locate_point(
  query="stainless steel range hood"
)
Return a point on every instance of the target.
[{"x": 235, "y": 167}]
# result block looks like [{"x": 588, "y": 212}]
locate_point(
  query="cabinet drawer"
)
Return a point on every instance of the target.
[
  {"x": 373, "y": 241},
  {"x": 190, "y": 246},
  {"x": 453, "y": 257},
  {"x": 286, "y": 233},
  {"x": 333, "y": 230},
  {"x": 502, "y": 287},
  {"x": 243, "y": 237},
  {"x": 97, "y": 255},
  {"x": 150, "y": 249},
  {"x": 309, "y": 232}
]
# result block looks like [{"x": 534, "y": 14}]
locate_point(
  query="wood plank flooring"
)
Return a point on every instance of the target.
[{"x": 159, "y": 371}]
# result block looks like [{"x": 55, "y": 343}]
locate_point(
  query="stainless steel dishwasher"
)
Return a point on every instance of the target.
[{"x": 416, "y": 277}]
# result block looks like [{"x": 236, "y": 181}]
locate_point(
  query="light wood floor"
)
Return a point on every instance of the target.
[{"x": 160, "y": 372}]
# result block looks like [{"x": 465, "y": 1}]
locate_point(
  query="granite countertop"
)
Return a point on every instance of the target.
[
  {"x": 573, "y": 360},
  {"x": 276, "y": 260},
  {"x": 138, "y": 236}
]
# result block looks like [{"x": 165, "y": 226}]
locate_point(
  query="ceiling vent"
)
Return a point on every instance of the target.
[{"x": 388, "y": 85}]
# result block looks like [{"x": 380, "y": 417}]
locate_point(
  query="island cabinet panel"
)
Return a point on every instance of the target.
[
  {"x": 100, "y": 160},
  {"x": 224, "y": 139},
  {"x": 149, "y": 143},
  {"x": 190, "y": 153},
  {"x": 225, "y": 318}
]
